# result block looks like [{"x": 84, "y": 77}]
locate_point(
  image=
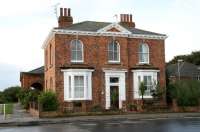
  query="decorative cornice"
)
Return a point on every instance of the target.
[
  {"x": 114, "y": 25},
  {"x": 89, "y": 33}
]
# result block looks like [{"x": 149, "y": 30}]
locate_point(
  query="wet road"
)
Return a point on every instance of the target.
[{"x": 161, "y": 125}]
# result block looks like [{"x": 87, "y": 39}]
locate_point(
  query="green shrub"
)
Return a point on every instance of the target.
[
  {"x": 186, "y": 92},
  {"x": 9, "y": 95},
  {"x": 48, "y": 101},
  {"x": 96, "y": 108},
  {"x": 28, "y": 95},
  {"x": 132, "y": 107}
]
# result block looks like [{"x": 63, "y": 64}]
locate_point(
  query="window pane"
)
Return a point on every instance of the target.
[
  {"x": 69, "y": 86},
  {"x": 113, "y": 51},
  {"x": 73, "y": 45},
  {"x": 145, "y": 57},
  {"x": 79, "y": 55},
  {"x": 110, "y": 56},
  {"x": 145, "y": 48},
  {"x": 149, "y": 85},
  {"x": 79, "y": 45},
  {"x": 116, "y": 56},
  {"x": 114, "y": 80},
  {"x": 143, "y": 53},
  {"x": 78, "y": 86},
  {"x": 110, "y": 47},
  {"x": 115, "y": 47},
  {"x": 73, "y": 55},
  {"x": 76, "y": 50}
]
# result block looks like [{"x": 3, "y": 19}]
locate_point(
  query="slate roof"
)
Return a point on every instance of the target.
[
  {"x": 93, "y": 26},
  {"x": 39, "y": 70},
  {"x": 186, "y": 70}
]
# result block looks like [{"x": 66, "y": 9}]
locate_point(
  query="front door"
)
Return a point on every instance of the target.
[
  {"x": 115, "y": 91},
  {"x": 114, "y": 97}
]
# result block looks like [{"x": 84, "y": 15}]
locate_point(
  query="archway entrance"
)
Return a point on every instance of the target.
[{"x": 37, "y": 86}]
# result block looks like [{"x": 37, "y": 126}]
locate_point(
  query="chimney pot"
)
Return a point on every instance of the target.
[
  {"x": 69, "y": 12},
  {"x": 61, "y": 11},
  {"x": 65, "y": 11},
  {"x": 131, "y": 18},
  {"x": 126, "y": 17}
]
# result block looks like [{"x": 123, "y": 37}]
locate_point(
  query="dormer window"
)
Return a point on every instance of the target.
[
  {"x": 113, "y": 52},
  {"x": 143, "y": 54},
  {"x": 76, "y": 51}
]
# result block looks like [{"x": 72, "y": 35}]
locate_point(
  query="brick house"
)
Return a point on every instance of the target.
[{"x": 90, "y": 63}]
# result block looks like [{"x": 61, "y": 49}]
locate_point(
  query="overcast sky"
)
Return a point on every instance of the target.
[{"x": 24, "y": 25}]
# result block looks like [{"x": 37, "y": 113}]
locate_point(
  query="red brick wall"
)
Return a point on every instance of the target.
[
  {"x": 49, "y": 55},
  {"x": 95, "y": 55},
  {"x": 29, "y": 79}
]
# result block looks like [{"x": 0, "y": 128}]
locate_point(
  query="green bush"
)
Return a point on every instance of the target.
[
  {"x": 96, "y": 108},
  {"x": 132, "y": 107},
  {"x": 9, "y": 95},
  {"x": 28, "y": 95},
  {"x": 186, "y": 92},
  {"x": 48, "y": 101}
]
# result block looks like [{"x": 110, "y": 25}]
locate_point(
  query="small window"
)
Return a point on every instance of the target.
[
  {"x": 114, "y": 80},
  {"x": 76, "y": 51},
  {"x": 143, "y": 54},
  {"x": 113, "y": 52}
]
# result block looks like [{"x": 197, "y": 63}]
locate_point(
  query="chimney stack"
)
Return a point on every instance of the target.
[
  {"x": 65, "y": 18},
  {"x": 126, "y": 19}
]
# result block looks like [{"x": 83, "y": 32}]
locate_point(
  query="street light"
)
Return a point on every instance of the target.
[{"x": 179, "y": 68}]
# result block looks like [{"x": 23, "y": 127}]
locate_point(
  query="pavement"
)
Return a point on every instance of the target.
[{"x": 21, "y": 118}]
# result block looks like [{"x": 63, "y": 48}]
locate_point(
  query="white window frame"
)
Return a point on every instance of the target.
[
  {"x": 142, "y": 53},
  {"x": 86, "y": 73},
  {"x": 118, "y": 51},
  {"x": 142, "y": 73},
  {"x": 77, "y": 61}
]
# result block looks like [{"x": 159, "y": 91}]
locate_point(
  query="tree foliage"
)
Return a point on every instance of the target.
[
  {"x": 28, "y": 95},
  {"x": 193, "y": 58},
  {"x": 9, "y": 95},
  {"x": 186, "y": 92}
]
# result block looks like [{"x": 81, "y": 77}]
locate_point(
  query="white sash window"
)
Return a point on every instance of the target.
[{"x": 77, "y": 84}]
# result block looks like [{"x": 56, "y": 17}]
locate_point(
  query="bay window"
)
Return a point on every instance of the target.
[
  {"x": 148, "y": 77},
  {"x": 77, "y": 84}
]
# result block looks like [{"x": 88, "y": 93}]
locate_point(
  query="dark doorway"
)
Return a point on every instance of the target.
[
  {"x": 114, "y": 97},
  {"x": 37, "y": 86}
]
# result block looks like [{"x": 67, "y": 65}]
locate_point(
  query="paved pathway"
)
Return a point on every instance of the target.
[{"x": 18, "y": 114}]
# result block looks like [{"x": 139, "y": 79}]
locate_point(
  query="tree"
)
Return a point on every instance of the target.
[
  {"x": 142, "y": 89},
  {"x": 9, "y": 95},
  {"x": 193, "y": 58}
]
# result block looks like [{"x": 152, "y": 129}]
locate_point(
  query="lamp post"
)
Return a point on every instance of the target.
[{"x": 179, "y": 67}]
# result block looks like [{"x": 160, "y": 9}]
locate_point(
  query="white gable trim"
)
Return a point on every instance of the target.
[
  {"x": 48, "y": 39},
  {"x": 118, "y": 34},
  {"x": 89, "y": 33},
  {"x": 114, "y": 25}
]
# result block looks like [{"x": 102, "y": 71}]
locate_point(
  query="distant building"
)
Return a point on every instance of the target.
[{"x": 188, "y": 71}]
